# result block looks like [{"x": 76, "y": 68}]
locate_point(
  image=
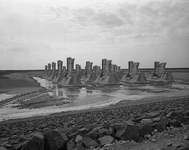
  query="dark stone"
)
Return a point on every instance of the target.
[
  {"x": 145, "y": 129},
  {"x": 70, "y": 145},
  {"x": 103, "y": 132},
  {"x": 36, "y": 143},
  {"x": 158, "y": 126},
  {"x": 128, "y": 131},
  {"x": 79, "y": 146},
  {"x": 185, "y": 120},
  {"x": 88, "y": 142},
  {"x": 92, "y": 134},
  {"x": 55, "y": 140},
  {"x": 164, "y": 122},
  {"x": 174, "y": 123},
  {"x": 174, "y": 115},
  {"x": 83, "y": 131}
]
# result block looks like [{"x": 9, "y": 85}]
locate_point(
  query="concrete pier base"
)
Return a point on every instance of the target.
[
  {"x": 133, "y": 76},
  {"x": 160, "y": 74}
]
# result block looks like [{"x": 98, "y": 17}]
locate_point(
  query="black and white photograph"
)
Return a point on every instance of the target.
[{"x": 94, "y": 74}]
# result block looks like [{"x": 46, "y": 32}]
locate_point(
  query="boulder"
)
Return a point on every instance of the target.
[
  {"x": 36, "y": 143},
  {"x": 79, "y": 146},
  {"x": 55, "y": 140},
  {"x": 145, "y": 129},
  {"x": 103, "y": 132},
  {"x": 158, "y": 126},
  {"x": 164, "y": 122},
  {"x": 174, "y": 123},
  {"x": 146, "y": 121},
  {"x": 70, "y": 145},
  {"x": 2, "y": 148},
  {"x": 174, "y": 115},
  {"x": 185, "y": 120},
  {"x": 83, "y": 131},
  {"x": 88, "y": 142},
  {"x": 107, "y": 139},
  {"x": 78, "y": 138},
  {"x": 93, "y": 134},
  {"x": 128, "y": 131}
]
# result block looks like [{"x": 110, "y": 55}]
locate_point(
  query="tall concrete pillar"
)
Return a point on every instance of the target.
[
  {"x": 78, "y": 68},
  {"x": 130, "y": 65},
  {"x": 49, "y": 67},
  {"x": 135, "y": 68},
  {"x": 46, "y": 68},
  {"x": 156, "y": 67},
  {"x": 162, "y": 68},
  {"x": 53, "y": 66},
  {"x": 60, "y": 63},
  {"x": 104, "y": 63},
  {"x": 87, "y": 67},
  {"x": 72, "y": 64},
  {"x": 91, "y": 67},
  {"x": 108, "y": 66},
  {"x": 69, "y": 65}
]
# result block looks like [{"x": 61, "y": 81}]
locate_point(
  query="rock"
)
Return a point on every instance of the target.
[
  {"x": 185, "y": 120},
  {"x": 157, "y": 126},
  {"x": 2, "y": 148},
  {"x": 145, "y": 129},
  {"x": 83, "y": 131},
  {"x": 164, "y": 122},
  {"x": 156, "y": 119},
  {"x": 92, "y": 134},
  {"x": 70, "y": 145},
  {"x": 79, "y": 146},
  {"x": 103, "y": 132},
  {"x": 186, "y": 137},
  {"x": 106, "y": 140},
  {"x": 174, "y": 123},
  {"x": 111, "y": 131},
  {"x": 174, "y": 115},
  {"x": 36, "y": 143},
  {"x": 169, "y": 144},
  {"x": 88, "y": 142},
  {"x": 128, "y": 131},
  {"x": 146, "y": 121},
  {"x": 55, "y": 140},
  {"x": 78, "y": 138}
]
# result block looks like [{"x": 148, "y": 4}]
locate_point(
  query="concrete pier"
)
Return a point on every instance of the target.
[
  {"x": 71, "y": 78},
  {"x": 133, "y": 76},
  {"x": 107, "y": 77},
  {"x": 160, "y": 73},
  {"x": 46, "y": 71},
  {"x": 89, "y": 75},
  {"x": 49, "y": 71},
  {"x": 53, "y": 73}
]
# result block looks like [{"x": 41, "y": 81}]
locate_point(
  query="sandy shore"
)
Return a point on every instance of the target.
[{"x": 121, "y": 105}]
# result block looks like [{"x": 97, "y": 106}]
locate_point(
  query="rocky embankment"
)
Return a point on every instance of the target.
[{"x": 116, "y": 128}]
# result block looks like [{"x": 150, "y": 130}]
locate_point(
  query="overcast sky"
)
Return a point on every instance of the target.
[{"x": 35, "y": 32}]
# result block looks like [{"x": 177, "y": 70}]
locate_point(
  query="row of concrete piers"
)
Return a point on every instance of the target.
[{"x": 107, "y": 74}]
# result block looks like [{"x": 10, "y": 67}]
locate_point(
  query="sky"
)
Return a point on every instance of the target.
[{"x": 36, "y": 32}]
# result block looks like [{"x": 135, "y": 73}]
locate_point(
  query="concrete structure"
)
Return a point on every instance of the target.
[
  {"x": 107, "y": 77},
  {"x": 71, "y": 78},
  {"x": 89, "y": 75},
  {"x": 53, "y": 72},
  {"x": 160, "y": 73},
  {"x": 133, "y": 76},
  {"x": 46, "y": 71},
  {"x": 61, "y": 73}
]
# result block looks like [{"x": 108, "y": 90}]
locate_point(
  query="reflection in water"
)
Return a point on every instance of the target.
[{"x": 85, "y": 98}]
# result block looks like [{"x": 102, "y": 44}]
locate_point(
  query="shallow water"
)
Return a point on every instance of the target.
[{"x": 84, "y": 98}]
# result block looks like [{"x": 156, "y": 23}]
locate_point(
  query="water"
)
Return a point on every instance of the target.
[{"x": 84, "y": 98}]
